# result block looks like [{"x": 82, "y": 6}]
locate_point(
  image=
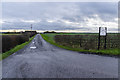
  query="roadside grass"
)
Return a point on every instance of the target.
[
  {"x": 15, "y": 49},
  {"x": 50, "y": 38}
]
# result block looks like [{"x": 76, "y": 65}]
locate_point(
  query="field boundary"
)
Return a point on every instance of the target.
[
  {"x": 15, "y": 49},
  {"x": 108, "y": 52}
]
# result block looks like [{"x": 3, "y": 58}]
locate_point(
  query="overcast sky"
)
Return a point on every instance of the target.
[{"x": 83, "y": 16}]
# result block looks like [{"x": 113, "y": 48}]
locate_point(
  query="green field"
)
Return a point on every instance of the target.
[{"x": 64, "y": 44}]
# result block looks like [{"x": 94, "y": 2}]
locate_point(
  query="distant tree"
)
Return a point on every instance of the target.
[{"x": 49, "y": 32}]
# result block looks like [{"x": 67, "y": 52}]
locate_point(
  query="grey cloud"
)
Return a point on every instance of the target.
[{"x": 73, "y": 12}]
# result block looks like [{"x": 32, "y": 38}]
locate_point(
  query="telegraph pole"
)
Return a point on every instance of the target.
[{"x": 31, "y": 29}]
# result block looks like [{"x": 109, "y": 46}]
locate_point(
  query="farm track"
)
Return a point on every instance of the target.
[{"x": 43, "y": 60}]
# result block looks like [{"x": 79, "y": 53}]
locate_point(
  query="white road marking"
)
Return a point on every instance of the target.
[
  {"x": 33, "y": 42},
  {"x": 32, "y": 47}
]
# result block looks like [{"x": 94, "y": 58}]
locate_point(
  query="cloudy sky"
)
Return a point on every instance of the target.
[{"x": 82, "y": 16}]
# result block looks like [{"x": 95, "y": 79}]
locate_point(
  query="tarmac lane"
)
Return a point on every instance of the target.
[{"x": 43, "y": 60}]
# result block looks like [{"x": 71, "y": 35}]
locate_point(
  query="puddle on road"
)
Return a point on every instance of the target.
[{"x": 33, "y": 47}]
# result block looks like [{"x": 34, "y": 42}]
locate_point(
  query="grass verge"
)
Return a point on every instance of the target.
[
  {"x": 50, "y": 38},
  {"x": 15, "y": 49}
]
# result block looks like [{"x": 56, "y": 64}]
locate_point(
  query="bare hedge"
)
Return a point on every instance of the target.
[
  {"x": 10, "y": 41},
  {"x": 87, "y": 41}
]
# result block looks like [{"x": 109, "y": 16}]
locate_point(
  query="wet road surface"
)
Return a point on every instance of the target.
[{"x": 43, "y": 60}]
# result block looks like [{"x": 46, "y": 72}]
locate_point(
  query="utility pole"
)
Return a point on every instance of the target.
[{"x": 31, "y": 29}]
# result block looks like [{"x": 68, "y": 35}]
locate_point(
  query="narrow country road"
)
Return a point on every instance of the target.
[{"x": 43, "y": 60}]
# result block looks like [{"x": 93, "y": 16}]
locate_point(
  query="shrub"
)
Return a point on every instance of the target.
[
  {"x": 87, "y": 41},
  {"x": 10, "y": 41}
]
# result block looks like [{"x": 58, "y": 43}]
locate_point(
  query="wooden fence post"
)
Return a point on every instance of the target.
[
  {"x": 105, "y": 39},
  {"x": 99, "y": 39}
]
